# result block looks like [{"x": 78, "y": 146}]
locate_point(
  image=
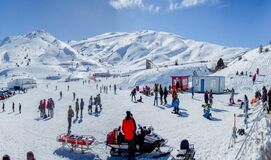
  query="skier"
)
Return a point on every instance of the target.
[
  {"x": 110, "y": 87},
  {"x": 3, "y": 107},
  {"x": 257, "y": 71},
  {"x": 44, "y": 109},
  {"x": 90, "y": 105},
  {"x": 165, "y": 95},
  {"x": 232, "y": 97},
  {"x": 129, "y": 129},
  {"x": 81, "y": 108},
  {"x": 115, "y": 89},
  {"x": 211, "y": 98},
  {"x": 13, "y": 107},
  {"x": 175, "y": 103},
  {"x": 96, "y": 86},
  {"x": 60, "y": 94},
  {"x": 206, "y": 97},
  {"x": 70, "y": 115},
  {"x": 264, "y": 97},
  {"x": 30, "y": 156},
  {"x": 20, "y": 108},
  {"x": 246, "y": 111},
  {"x": 56, "y": 87},
  {"x": 73, "y": 96},
  {"x": 96, "y": 104},
  {"x": 155, "y": 102},
  {"x": 269, "y": 101},
  {"x": 161, "y": 93},
  {"x": 133, "y": 95},
  {"x": 68, "y": 88},
  {"x": 192, "y": 92},
  {"x": 77, "y": 107}
]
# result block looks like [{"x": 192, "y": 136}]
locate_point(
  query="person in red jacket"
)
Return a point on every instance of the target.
[{"x": 129, "y": 129}]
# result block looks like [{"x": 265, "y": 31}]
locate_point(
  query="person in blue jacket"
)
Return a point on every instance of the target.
[{"x": 175, "y": 103}]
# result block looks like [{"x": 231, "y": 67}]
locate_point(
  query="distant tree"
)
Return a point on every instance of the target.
[
  {"x": 261, "y": 49},
  {"x": 220, "y": 64},
  {"x": 176, "y": 62}
]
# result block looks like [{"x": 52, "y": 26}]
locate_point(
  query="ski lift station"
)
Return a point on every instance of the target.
[{"x": 207, "y": 83}]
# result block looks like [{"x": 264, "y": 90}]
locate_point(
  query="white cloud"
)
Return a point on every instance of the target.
[
  {"x": 174, "y": 5},
  {"x": 141, "y": 4}
]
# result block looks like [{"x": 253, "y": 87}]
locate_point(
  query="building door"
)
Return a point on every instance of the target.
[{"x": 202, "y": 85}]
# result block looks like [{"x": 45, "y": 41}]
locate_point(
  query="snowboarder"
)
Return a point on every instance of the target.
[
  {"x": 30, "y": 156},
  {"x": 13, "y": 107},
  {"x": 129, "y": 129},
  {"x": 81, "y": 107},
  {"x": 246, "y": 111},
  {"x": 133, "y": 95},
  {"x": 115, "y": 89},
  {"x": 70, "y": 115},
  {"x": 206, "y": 111},
  {"x": 269, "y": 101},
  {"x": 73, "y": 96},
  {"x": 264, "y": 97},
  {"x": 77, "y": 107},
  {"x": 206, "y": 97},
  {"x": 211, "y": 98},
  {"x": 90, "y": 105},
  {"x": 232, "y": 96},
  {"x": 155, "y": 102},
  {"x": 161, "y": 93},
  {"x": 175, "y": 104},
  {"x": 165, "y": 95},
  {"x": 3, "y": 107},
  {"x": 60, "y": 94},
  {"x": 20, "y": 108}
]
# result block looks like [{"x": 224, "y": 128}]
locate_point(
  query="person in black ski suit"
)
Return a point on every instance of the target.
[
  {"x": 13, "y": 107},
  {"x": 90, "y": 104},
  {"x": 165, "y": 95},
  {"x": 81, "y": 107},
  {"x": 77, "y": 107},
  {"x": 133, "y": 95},
  {"x": 70, "y": 115},
  {"x": 20, "y": 108},
  {"x": 206, "y": 97},
  {"x": 264, "y": 97},
  {"x": 161, "y": 93},
  {"x": 73, "y": 96}
]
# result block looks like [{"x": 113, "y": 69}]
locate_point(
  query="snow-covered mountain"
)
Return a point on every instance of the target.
[
  {"x": 124, "y": 51},
  {"x": 132, "y": 49}
]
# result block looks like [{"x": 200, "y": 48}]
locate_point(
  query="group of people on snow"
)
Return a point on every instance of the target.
[
  {"x": 162, "y": 92},
  {"x": 46, "y": 108},
  {"x": 13, "y": 107}
]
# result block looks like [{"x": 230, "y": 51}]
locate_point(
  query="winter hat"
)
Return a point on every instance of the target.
[{"x": 128, "y": 114}]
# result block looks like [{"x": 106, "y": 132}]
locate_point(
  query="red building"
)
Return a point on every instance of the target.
[{"x": 180, "y": 82}]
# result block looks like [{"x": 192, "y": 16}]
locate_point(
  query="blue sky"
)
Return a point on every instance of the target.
[{"x": 235, "y": 23}]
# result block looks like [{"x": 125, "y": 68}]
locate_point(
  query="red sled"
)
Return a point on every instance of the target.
[{"x": 76, "y": 142}]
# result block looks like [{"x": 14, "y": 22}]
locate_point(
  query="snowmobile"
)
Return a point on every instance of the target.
[
  {"x": 186, "y": 152},
  {"x": 207, "y": 111},
  {"x": 147, "y": 142}
]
